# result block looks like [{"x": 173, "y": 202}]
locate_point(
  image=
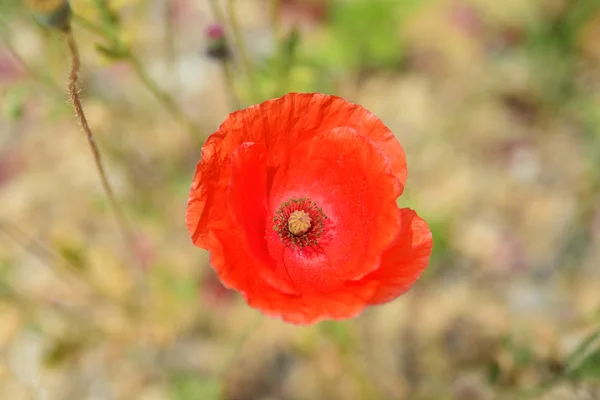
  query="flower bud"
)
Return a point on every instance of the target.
[
  {"x": 215, "y": 32},
  {"x": 217, "y": 48},
  {"x": 51, "y": 13}
]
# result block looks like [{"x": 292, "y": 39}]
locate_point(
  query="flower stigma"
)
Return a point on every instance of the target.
[{"x": 299, "y": 222}]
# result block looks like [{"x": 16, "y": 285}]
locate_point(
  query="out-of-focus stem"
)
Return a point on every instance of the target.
[
  {"x": 226, "y": 64},
  {"x": 228, "y": 75},
  {"x": 77, "y": 106},
  {"x": 163, "y": 97},
  {"x": 274, "y": 11},
  {"x": 47, "y": 82},
  {"x": 32, "y": 246},
  {"x": 89, "y": 25},
  {"x": 217, "y": 12},
  {"x": 241, "y": 46},
  {"x": 170, "y": 46},
  {"x": 51, "y": 259}
]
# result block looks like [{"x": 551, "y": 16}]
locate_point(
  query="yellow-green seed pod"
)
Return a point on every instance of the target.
[{"x": 52, "y": 13}]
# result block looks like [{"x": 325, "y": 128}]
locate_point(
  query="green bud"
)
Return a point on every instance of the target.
[{"x": 51, "y": 13}]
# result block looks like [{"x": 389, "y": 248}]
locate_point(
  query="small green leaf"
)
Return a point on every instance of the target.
[
  {"x": 62, "y": 351},
  {"x": 289, "y": 48},
  {"x": 493, "y": 373},
  {"x": 14, "y": 101},
  {"x": 585, "y": 357},
  {"x": 73, "y": 254},
  {"x": 113, "y": 54}
]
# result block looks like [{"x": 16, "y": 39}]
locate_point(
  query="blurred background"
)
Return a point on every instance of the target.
[{"x": 497, "y": 104}]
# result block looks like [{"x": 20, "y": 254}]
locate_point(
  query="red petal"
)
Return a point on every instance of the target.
[
  {"x": 346, "y": 175},
  {"x": 206, "y": 189},
  {"x": 247, "y": 200},
  {"x": 229, "y": 221},
  {"x": 284, "y": 122},
  {"x": 281, "y": 124},
  {"x": 237, "y": 271},
  {"x": 404, "y": 262},
  {"x": 230, "y": 228},
  {"x": 308, "y": 309}
]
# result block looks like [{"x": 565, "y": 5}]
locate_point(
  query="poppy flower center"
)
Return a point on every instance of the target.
[{"x": 299, "y": 222}]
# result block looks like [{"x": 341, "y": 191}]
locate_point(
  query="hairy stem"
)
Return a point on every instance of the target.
[
  {"x": 163, "y": 97},
  {"x": 77, "y": 106}
]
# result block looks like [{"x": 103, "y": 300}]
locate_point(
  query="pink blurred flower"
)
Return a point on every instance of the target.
[
  {"x": 215, "y": 32},
  {"x": 304, "y": 14},
  {"x": 213, "y": 293},
  {"x": 11, "y": 164},
  {"x": 466, "y": 18},
  {"x": 217, "y": 42},
  {"x": 144, "y": 250},
  {"x": 9, "y": 69}
]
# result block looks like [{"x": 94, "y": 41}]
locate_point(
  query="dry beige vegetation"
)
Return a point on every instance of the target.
[{"x": 503, "y": 175}]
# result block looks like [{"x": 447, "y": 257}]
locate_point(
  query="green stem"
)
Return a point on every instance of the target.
[
  {"x": 74, "y": 91},
  {"x": 578, "y": 356},
  {"x": 226, "y": 66},
  {"x": 246, "y": 64},
  {"x": 46, "y": 81},
  {"x": 163, "y": 97},
  {"x": 274, "y": 10},
  {"x": 228, "y": 75}
]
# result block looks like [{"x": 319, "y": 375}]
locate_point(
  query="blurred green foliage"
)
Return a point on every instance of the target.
[
  {"x": 363, "y": 35},
  {"x": 189, "y": 386},
  {"x": 182, "y": 289},
  {"x": 340, "y": 332},
  {"x": 14, "y": 101},
  {"x": 552, "y": 43}
]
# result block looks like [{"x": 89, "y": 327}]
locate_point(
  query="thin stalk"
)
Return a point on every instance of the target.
[
  {"x": 234, "y": 102},
  {"x": 89, "y": 25},
  {"x": 274, "y": 11},
  {"x": 52, "y": 260},
  {"x": 217, "y": 12},
  {"x": 579, "y": 355},
  {"x": 241, "y": 46},
  {"x": 45, "y": 255},
  {"x": 47, "y": 82},
  {"x": 226, "y": 66},
  {"x": 170, "y": 36},
  {"x": 77, "y": 106},
  {"x": 283, "y": 66},
  {"x": 163, "y": 97}
]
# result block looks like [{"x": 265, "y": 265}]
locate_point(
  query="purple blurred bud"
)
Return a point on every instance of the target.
[
  {"x": 218, "y": 47},
  {"x": 215, "y": 32}
]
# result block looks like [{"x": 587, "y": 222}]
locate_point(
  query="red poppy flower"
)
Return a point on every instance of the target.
[{"x": 295, "y": 199}]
